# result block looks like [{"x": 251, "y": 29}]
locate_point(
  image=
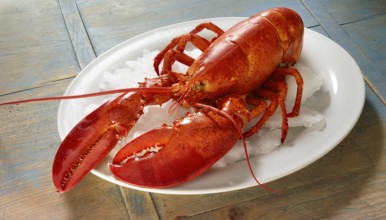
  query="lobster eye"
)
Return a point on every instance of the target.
[{"x": 199, "y": 85}]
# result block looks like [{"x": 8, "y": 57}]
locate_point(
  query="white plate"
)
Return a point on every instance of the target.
[{"x": 341, "y": 102}]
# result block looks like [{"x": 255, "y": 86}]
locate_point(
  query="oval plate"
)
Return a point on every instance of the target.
[{"x": 341, "y": 101}]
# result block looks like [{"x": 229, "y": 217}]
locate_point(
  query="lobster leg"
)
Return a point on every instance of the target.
[
  {"x": 272, "y": 96},
  {"x": 259, "y": 106},
  {"x": 181, "y": 41},
  {"x": 172, "y": 155},
  {"x": 178, "y": 54},
  {"x": 275, "y": 90},
  {"x": 174, "y": 55},
  {"x": 280, "y": 88},
  {"x": 280, "y": 75}
]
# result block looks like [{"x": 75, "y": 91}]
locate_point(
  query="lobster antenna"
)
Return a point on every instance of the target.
[
  {"x": 178, "y": 103},
  {"x": 175, "y": 105},
  {"x": 228, "y": 116},
  {"x": 138, "y": 89}
]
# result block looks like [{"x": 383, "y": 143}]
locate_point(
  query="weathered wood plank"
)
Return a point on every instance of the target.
[
  {"x": 110, "y": 23},
  {"x": 320, "y": 30},
  {"x": 335, "y": 198},
  {"x": 373, "y": 76},
  {"x": 347, "y": 11},
  {"x": 372, "y": 42},
  {"x": 78, "y": 34},
  {"x": 139, "y": 204},
  {"x": 348, "y": 183},
  {"x": 29, "y": 47},
  {"x": 177, "y": 206},
  {"x": 370, "y": 37}
]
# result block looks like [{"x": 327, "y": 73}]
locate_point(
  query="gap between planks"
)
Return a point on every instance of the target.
[{"x": 337, "y": 33}]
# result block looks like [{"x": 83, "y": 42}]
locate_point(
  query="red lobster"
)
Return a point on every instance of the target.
[{"x": 228, "y": 84}]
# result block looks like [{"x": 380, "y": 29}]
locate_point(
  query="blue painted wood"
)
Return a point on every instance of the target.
[
  {"x": 346, "y": 11},
  {"x": 369, "y": 35},
  {"x": 373, "y": 76},
  {"x": 78, "y": 34},
  {"x": 372, "y": 42},
  {"x": 28, "y": 47},
  {"x": 320, "y": 30},
  {"x": 110, "y": 24},
  {"x": 349, "y": 182}
]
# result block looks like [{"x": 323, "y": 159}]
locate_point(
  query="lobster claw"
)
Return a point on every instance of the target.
[
  {"x": 93, "y": 138},
  {"x": 171, "y": 155}
]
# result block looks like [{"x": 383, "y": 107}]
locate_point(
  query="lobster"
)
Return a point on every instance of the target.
[{"x": 240, "y": 76}]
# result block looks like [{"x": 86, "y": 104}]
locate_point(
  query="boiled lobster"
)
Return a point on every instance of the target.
[{"x": 239, "y": 76}]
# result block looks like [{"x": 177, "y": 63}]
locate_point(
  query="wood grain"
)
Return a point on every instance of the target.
[
  {"x": 44, "y": 44},
  {"x": 29, "y": 48},
  {"x": 373, "y": 76},
  {"x": 79, "y": 38},
  {"x": 351, "y": 11},
  {"x": 110, "y": 23},
  {"x": 139, "y": 204}
]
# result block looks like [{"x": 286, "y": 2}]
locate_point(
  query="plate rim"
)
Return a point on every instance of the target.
[{"x": 194, "y": 22}]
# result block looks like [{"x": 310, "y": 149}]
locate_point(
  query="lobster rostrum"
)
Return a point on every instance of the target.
[{"x": 240, "y": 76}]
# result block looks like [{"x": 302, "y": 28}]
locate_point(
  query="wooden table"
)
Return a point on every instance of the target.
[{"x": 45, "y": 43}]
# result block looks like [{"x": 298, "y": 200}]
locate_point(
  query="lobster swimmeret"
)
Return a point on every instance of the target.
[{"x": 229, "y": 84}]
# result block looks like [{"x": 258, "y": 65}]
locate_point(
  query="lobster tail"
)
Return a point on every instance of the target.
[{"x": 290, "y": 28}]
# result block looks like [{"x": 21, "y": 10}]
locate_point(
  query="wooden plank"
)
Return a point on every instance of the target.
[
  {"x": 331, "y": 199},
  {"x": 370, "y": 37},
  {"x": 139, "y": 204},
  {"x": 78, "y": 34},
  {"x": 110, "y": 23},
  {"x": 349, "y": 182},
  {"x": 372, "y": 42},
  {"x": 179, "y": 207},
  {"x": 29, "y": 47},
  {"x": 347, "y": 11},
  {"x": 373, "y": 76},
  {"x": 320, "y": 30}
]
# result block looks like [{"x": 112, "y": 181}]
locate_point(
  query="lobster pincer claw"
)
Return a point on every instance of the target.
[
  {"x": 171, "y": 155},
  {"x": 93, "y": 138}
]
